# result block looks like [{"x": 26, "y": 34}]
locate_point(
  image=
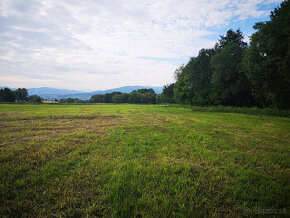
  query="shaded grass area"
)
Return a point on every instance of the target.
[
  {"x": 141, "y": 160},
  {"x": 241, "y": 110}
]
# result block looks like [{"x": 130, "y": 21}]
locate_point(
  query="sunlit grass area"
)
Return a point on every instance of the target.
[{"x": 141, "y": 160}]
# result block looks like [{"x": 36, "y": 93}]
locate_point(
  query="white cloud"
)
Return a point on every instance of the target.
[{"x": 91, "y": 45}]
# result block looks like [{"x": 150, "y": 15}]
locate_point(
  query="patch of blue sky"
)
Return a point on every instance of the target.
[
  {"x": 269, "y": 7},
  {"x": 246, "y": 26}
]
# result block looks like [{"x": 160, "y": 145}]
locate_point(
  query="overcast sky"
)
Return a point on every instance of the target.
[{"x": 99, "y": 44}]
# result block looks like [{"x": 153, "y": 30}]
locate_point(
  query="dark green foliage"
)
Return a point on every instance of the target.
[
  {"x": 120, "y": 98},
  {"x": 97, "y": 99},
  {"x": 200, "y": 74},
  {"x": 168, "y": 90},
  {"x": 6, "y": 95},
  {"x": 230, "y": 85},
  {"x": 21, "y": 94},
  {"x": 134, "y": 98},
  {"x": 182, "y": 94},
  {"x": 167, "y": 95},
  {"x": 267, "y": 61},
  {"x": 67, "y": 100},
  {"x": 232, "y": 37},
  {"x": 35, "y": 98},
  {"x": 108, "y": 98},
  {"x": 148, "y": 98},
  {"x": 140, "y": 96},
  {"x": 72, "y": 100}
]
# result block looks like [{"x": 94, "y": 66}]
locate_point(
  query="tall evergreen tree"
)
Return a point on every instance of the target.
[{"x": 232, "y": 37}]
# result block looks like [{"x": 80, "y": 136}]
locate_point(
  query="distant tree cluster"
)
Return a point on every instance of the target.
[
  {"x": 236, "y": 74},
  {"x": 140, "y": 96},
  {"x": 71, "y": 100},
  {"x": 19, "y": 95}
]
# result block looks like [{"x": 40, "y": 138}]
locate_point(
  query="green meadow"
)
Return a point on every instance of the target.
[{"x": 109, "y": 160}]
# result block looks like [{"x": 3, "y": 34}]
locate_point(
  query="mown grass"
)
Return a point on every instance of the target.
[{"x": 141, "y": 160}]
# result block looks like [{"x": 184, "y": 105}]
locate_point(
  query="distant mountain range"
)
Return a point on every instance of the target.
[{"x": 53, "y": 93}]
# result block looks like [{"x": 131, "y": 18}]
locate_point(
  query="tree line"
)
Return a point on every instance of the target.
[
  {"x": 233, "y": 73},
  {"x": 19, "y": 95},
  {"x": 140, "y": 96}
]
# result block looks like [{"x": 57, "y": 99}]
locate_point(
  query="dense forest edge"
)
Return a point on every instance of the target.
[
  {"x": 234, "y": 73},
  {"x": 231, "y": 74}
]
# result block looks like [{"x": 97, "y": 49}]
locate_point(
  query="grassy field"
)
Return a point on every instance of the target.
[{"x": 141, "y": 160}]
